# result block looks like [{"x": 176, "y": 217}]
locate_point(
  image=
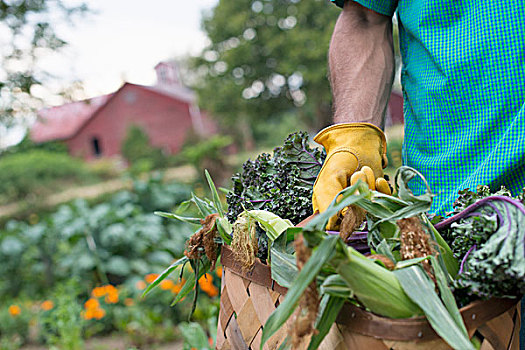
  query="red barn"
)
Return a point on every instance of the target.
[{"x": 94, "y": 128}]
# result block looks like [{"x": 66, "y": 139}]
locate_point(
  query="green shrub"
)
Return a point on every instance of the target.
[
  {"x": 62, "y": 326},
  {"x": 136, "y": 148},
  {"x": 26, "y": 145},
  {"x": 209, "y": 154},
  {"x": 112, "y": 241},
  {"x": 38, "y": 172},
  {"x": 14, "y": 324}
]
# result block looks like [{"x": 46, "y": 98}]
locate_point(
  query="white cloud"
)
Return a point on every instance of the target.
[{"x": 125, "y": 40}]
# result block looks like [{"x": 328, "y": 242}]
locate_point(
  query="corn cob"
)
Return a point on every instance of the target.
[{"x": 376, "y": 287}]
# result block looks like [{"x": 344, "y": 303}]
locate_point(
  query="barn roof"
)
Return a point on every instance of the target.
[{"x": 63, "y": 122}]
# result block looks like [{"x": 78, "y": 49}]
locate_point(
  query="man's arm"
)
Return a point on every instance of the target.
[{"x": 361, "y": 60}]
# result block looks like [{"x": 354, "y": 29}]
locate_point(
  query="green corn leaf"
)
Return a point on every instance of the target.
[
  {"x": 384, "y": 249},
  {"x": 185, "y": 290},
  {"x": 446, "y": 294},
  {"x": 271, "y": 223},
  {"x": 319, "y": 257},
  {"x": 225, "y": 229},
  {"x": 285, "y": 345},
  {"x": 216, "y": 198},
  {"x": 200, "y": 267},
  {"x": 283, "y": 267},
  {"x": 446, "y": 256},
  {"x": 204, "y": 207},
  {"x": 418, "y": 286},
  {"x": 225, "y": 190},
  {"x": 183, "y": 207},
  {"x": 406, "y": 263},
  {"x": 165, "y": 274},
  {"x": 329, "y": 309},
  {"x": 195, "y": 221},
  {"x": 402, "y": 177},
  {"x": 335, "y": 285},
  {"x": 198, "y": 272},
  {"x": 376, "y": 287}
]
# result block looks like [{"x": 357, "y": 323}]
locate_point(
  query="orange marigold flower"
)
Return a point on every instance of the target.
[
  {"x": 151, "y": 277},
  {"x": 219, "y": 272},
  {"x": 205, "y": 281},
  {"x": 212, "y": 292},
  {"x": 47, "y": 305},
  {"x": 140, "y": 285},
  {"x": 111, "y": 289},
  {"x": 91, "y": 304},
  {"x": 128, "y": 302},
  {"x": 167, "y": 285},
  {"x": 111, "y": 298},
  {"x": 99, "y": 313},
  {"x": 98, "y": 292},
  {"x": 14, "y": 310}
]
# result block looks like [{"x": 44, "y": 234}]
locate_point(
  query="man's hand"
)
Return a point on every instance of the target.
[{"x": 349, "y": 147}]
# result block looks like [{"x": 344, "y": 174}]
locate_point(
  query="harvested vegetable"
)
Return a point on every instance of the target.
[
  {"x": 494, "y": 239},
  {"x": 281, "y": 184}
]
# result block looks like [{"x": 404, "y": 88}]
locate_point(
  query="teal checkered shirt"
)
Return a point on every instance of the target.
[{"x": 463, "y": 81}]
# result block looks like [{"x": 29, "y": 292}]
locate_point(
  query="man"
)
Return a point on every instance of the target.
[{"x": 463, "y": 81}]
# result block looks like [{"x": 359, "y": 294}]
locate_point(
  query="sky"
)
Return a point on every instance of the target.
[
  {"x": 120, "y": 40},
  {"x": 123, "y": 40}
]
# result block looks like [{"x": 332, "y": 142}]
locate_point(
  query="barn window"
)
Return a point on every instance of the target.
[{"x": 95, "y": 143}]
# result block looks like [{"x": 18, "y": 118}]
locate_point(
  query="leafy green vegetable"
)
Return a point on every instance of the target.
[
  {"x": 320, "y": 256},
  {"x": 329, "y": 309},
  {"x": 272, "y": 224},
  {"x": 165, "y": 274},
  {"x": 281, "y": 184},
  {"x": 418, "y": 286},
  {"x": 376, "y": 287},
  {"x": 494, "y": 263}
]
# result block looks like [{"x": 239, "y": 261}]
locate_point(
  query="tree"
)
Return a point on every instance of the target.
[
  {"x": 27, "y": 27},
  {"x": 266, "y": 58}
]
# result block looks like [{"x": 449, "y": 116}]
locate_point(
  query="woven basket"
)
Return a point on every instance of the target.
[{"x": 248, "y": 299}]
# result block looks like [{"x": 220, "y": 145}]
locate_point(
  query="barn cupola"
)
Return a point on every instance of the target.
[{"x": 168, "y": 74}]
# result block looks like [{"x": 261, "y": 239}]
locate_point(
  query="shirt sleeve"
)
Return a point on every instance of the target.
[{"x": 384, "y": 7}]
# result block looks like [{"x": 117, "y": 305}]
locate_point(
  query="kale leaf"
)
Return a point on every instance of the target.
[
  {"x": 281, "y": 183},
  {"x": 488, "y": 237}
]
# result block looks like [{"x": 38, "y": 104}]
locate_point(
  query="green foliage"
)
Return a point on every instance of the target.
[
  {"x": 194, "y": 336},
  {"x": 14, "y": 328},
  {"x": 114, "y": 241},
  {"x": 489, "y": 239},
  {"x": 266, "y": 58},
  {"x": 208, "y": 154},
  {"x": 26, "y": 145},
  {"x": 136, "y": 148},
  {"x": 281, "y": 184},
  {"x": 212, "y": 148},
  {"x": 144, "y": 321},
  {"x": 28, "y": 29},
  {"x": 404, "y": 292},
  {"x": 38, "y": 172},
  {"x": 446, "y": 322},
  {"x": 394, "y": 153},
  {"x": 62, "y": 326}
]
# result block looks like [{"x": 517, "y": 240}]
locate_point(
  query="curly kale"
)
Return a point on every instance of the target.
[
  {"x": 467, "y": 197},
  {"x": 487, "y": 236},
  {"x": 280, "y": 183}
]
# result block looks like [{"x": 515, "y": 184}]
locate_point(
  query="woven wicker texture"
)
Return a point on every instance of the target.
[{"x": 248, "y": 299}]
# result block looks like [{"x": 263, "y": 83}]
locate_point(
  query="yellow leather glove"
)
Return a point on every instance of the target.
[{"x": 348, "y": 147}]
